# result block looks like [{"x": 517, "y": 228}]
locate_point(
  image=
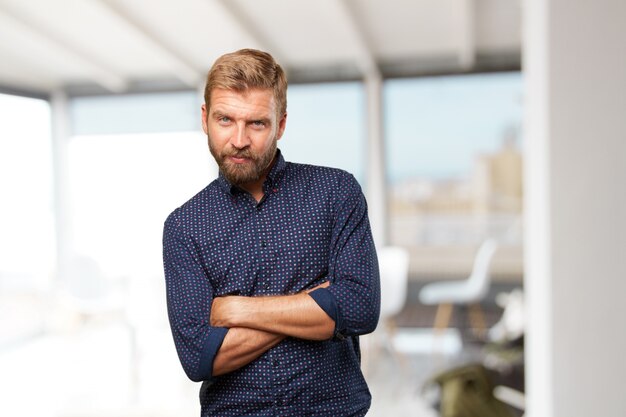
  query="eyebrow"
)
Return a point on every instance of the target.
[
  {"x": 265, "y": 120},
  {"x": 218, "y": 114}
]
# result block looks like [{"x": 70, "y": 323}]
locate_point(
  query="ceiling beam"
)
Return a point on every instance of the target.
[
  {"x": 17, "y": 91},
  {"x": 99, "y": 71},
  {"x": 365, "y": 57},
  {"x": 184, "y": 70},
  {"x": 250, "y": 27}
]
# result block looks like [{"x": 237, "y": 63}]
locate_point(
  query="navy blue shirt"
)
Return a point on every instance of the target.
[{"x": 310, "y": 226}]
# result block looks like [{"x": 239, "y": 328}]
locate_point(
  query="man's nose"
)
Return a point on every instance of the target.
[{"x": 240, "y": 137}]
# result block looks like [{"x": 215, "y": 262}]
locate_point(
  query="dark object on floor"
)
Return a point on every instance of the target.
[{"x": 467, "y": 391}]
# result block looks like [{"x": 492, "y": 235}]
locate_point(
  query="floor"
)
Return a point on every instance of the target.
[{"x": 399, "y": 381}]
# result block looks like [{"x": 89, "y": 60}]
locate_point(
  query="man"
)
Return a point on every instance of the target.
[{"x": 271, "y": 271}]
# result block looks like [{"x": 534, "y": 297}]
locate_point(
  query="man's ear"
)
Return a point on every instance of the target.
[
  {"x": 282, "y": 123},
  {"x": 205, "y": 115}
]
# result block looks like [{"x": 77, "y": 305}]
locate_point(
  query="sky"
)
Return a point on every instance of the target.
[
  {"x": 435, "y": 125},
  {"x": 326, "y": 126}
]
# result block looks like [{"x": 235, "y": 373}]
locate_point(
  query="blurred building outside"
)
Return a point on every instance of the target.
[{"x": 442, "y": 221}]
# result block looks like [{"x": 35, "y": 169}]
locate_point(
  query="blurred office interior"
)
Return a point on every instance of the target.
[{"x": 487, "y": 135}]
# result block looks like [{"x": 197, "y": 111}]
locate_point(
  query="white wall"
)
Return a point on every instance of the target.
[{"x": 575, "y": 69}]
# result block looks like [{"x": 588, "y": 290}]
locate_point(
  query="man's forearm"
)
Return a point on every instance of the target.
[
  {"x": 241, "y": 346},
  {"x": 295, "y": 315}
]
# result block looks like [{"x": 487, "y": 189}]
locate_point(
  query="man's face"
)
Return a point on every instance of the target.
[{"x": 243, "y": 129}]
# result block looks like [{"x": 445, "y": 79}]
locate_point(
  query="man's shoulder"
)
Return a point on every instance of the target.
[
  {"x": 318, "y": 172},
  {"x": 324, "y": 185},
  {"x": 195, "y": 207}
]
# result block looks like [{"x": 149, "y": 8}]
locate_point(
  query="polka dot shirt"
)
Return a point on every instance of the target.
[{"x": 310, "y": 226}]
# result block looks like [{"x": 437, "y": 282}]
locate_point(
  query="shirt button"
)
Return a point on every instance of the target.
[
  {"x": 263, "y": 243},
  {"x": 276, "y": 362},
  {"x": 267, "y": 285}
]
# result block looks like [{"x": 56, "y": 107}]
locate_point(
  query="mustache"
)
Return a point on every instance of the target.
[{"x": 239, "y": 153}]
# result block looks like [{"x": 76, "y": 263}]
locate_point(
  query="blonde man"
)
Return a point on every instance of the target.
[{"x": 271, "y": 271}]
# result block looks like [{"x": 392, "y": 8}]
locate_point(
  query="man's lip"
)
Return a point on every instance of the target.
[{"x": 239, "y": 159}]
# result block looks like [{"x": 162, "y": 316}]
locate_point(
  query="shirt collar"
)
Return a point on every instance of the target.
[{"x": 272, "y": 180}]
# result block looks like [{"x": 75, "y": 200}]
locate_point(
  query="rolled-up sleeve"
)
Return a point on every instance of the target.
[
  {"x": 189, "y": 299},
  {"x": 353, "y": 298}
]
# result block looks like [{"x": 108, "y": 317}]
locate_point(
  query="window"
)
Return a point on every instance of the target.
[
  {"x": 122, "y": 189},
  {"x": 454, "y": 162},
  {"x": 325, "y": 126},
  {"x": 27, "y": 246},
  {"x": 27, "y": 237}
]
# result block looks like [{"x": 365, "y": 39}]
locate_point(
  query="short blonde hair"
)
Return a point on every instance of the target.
[{"x": 247, "y": 69}]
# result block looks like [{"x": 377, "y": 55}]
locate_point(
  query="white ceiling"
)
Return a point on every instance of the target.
[{"x": 129, "y": 45}]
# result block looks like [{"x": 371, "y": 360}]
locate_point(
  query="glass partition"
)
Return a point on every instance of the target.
[
  {"x": 27, "y": 250},
  {"x": 454, "y": 168}
]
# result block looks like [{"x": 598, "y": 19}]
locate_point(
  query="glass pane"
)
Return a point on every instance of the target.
[
  {"x": 26, "y": 223},
  {"x": 122, "y": 189},
  {"x": 455, "y": 169},
  {"x": 135, "y": 113},
  {"x": 27, "y": 248},
  {"x": 325, "y": 126}
]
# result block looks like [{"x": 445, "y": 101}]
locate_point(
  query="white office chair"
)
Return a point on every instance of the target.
[
  {"x": 468, "y": 292},
  {"x": 393, "y": 263}
]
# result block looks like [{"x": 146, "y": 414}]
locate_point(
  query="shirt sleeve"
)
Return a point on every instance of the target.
[
  {"x": 353, "y": 298},
  {"x": 189, "y": 298}
]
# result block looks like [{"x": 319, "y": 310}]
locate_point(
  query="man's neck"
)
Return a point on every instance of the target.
[{"x": 255, "y": 188}]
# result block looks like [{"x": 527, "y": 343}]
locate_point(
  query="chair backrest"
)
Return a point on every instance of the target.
[
  {"x": 480, "y": 279},
  {"x": 393, "y": 263}
]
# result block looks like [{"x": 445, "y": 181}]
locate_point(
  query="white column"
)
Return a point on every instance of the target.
[
  {"x": 376, "y": 177},
  {"x": 60, "y": 135},
  {"x": 575, "y": 175},
  {"x": 467, "y": 32}
]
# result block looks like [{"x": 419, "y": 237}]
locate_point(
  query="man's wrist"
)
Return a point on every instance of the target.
[
  {"x": 225, "y": 311},
  {"x": 238, "y": 309}
]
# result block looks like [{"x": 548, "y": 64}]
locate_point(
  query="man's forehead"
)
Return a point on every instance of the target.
[{"x": 263, "y": 97}]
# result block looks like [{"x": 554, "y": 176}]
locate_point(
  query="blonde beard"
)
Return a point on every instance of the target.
[{"x": 243, "y": 174}]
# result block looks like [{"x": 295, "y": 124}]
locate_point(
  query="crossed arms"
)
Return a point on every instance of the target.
[
  {"x": 216, "y": 334},
  {"x": 256, "y": 324}
]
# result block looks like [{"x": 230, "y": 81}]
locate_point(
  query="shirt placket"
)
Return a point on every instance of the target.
[
  {"x": 266, "y": 260},
  {"x": 264, "y": 249}
]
